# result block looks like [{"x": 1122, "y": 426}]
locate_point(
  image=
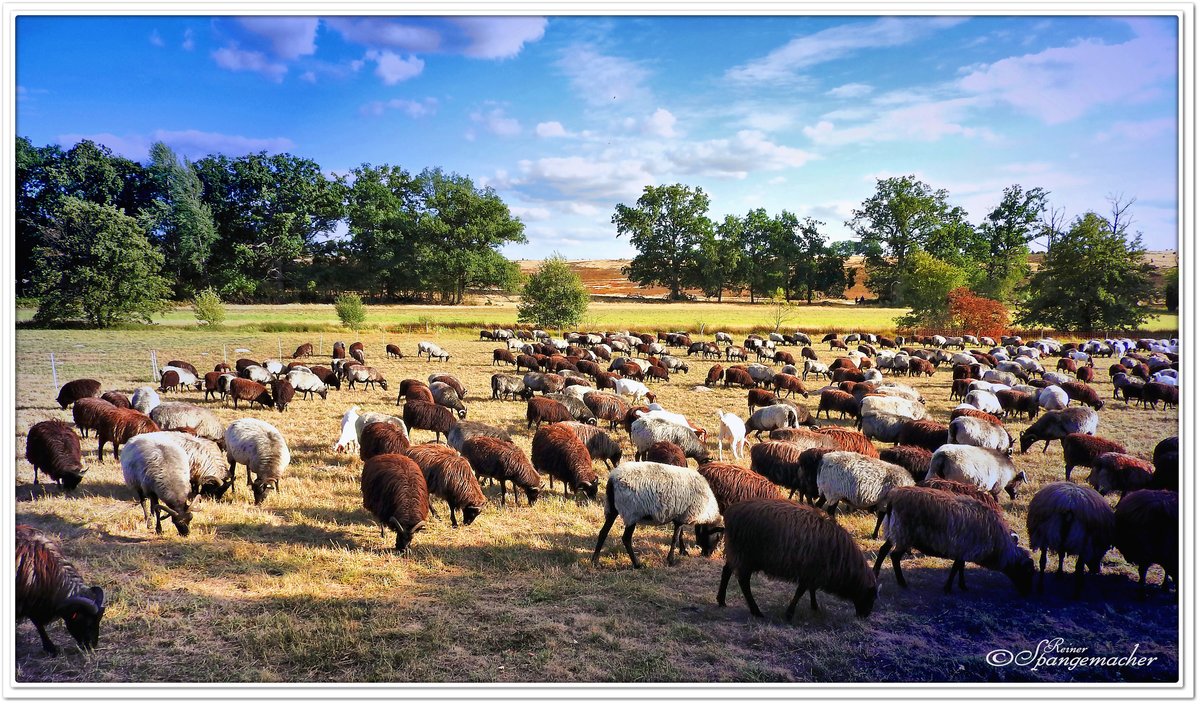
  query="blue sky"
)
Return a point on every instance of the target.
[{"x": 567, "y": 116}]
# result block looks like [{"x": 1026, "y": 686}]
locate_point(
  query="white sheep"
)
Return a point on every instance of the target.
[
  {"x": 892, "y": 405},
  {"x": 862, "y": 482},
  {"x": 1056, "y": 378},
  {"x": 966, "y": 430},
  {"x": 780, "y": 415},
  {"x": 307, "y": 383},
  {"x": 652, "y": 493},
  {"x": 881, "y": 426},
  {"x": 644, "y": 432},
  {"x": 365, "y": 419},
  {"x": 630, "y": 387},
  {"x": 262, "y": 448},
  {"x": 157, "y": 468},
  {"x": 349, "y": 437},
  {"x": 255, "y": 373},
  {"x": 145, "y": 399},
  {"x": 732, "y": 430},
  {"x": 175, "y": 415},
  {"x": 432, "y": 350},
  {"x": 985, "y": 401},
  {"x": 186, "y": 378},
  {"x": 990, "y": 470},
  {"x": 1053, "y": 398}
]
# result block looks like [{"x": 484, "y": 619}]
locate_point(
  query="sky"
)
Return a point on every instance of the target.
[{"x": 565, "y": 117}]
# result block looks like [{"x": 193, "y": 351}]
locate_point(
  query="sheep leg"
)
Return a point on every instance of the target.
[
  {"x": 813, "y": 597},
  {"x": 1079, "y": 579},
  {"x": 726, "y": 573},
  {"x": 100, "y": 449},
  {"x": 1042, "y": 566},
  {"x": 609, "y": 519},
  {"x": 744, "y": 582},
  {"x": 832, "y": 508},
  {"x": 791, "y": 608},
  {"x": 145, "y": 511},
  {"x": 453, "y": 521},
  {"x": 157, "y": 514},
  {"x": 432, "y": 510},
  {"x": 47, "y": 644},
  {"x": 676, "y": 539},
  {"x": 962, "y": 575},
  {"x": 627, "y": 539},
  {"x": 878, "y": 523},
  {"x": 1061, "y": 556},
  {"x": 35, "y": 475},
  {"x": 896, "y": 567}
]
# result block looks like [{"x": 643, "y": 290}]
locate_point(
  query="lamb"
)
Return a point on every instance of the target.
[
  {"x": 118, "y": 425},
  {"x": 349, "y": 435},
  {"x": 1016, "y": 403},
  {"x": 990, "y": 470},
  {"x": 1084, "y": 394},
  {"x": 794, "y": 543},
  {"x": 381, "y": 439},
  {"x": 954, "y": 527},
  {"x": 176, "y": 415},
  {"x": 49, "y": 587},
  {"x": 250, "y": 391},
  {"x": 644, "y": 432},
  {"x": 258, "y": 445},
  {"x": 504, "y": 462},
  {"x": 507, "y": 386},
  {"x": 1055, "y": 425},
  {"x": 1147, "y": 533},
  {"x": 862, "y": 482},
  {"x": 52, "y": 447},
  {"x": 600, "y": 446},
  {"x": 467, "y": 429},
  {"x": 393, "y": 352},
  {"x": 732, "y": 484},
  {"x": 431, "y": 350},
  {"x": 157, "y": 468},
  {"x": 915, "y": 459},
  {"x": 307, "y": 384},
  {"x": 87, "y": 412},
  {"x": 117, "y": 399},
  {"x": 923, "y": 433},
  {"x": 558, "y": 452},
  {"x": 840, "y": 401},
  {"x": 448, "y": 475},
  {"x": 394, "y": 491},
  {"x": 1070, "y": 519},
  {"x": 422, "y": 415},
  {"x": 1115, "y": 471},
  {"x": 732, "y": 430},
  {"x": 654, "y": 494},
  {"x": 780, "y": 462},
  {"x": 72, "y": 391},
  {"x": 770, "y": 419},
  {"x": 967, "y": 430},
  {"x": 636, "y": 389},
  {"x": 1083, "y": 449}
]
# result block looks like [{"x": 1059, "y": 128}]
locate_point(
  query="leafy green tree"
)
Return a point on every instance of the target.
[
  {"x": 350, "y": 310},
  {"x": 97, "y": 263},
  {"x": 1005, "y": 236},
  {"x": 925, "y": 284},
  {"x": 554, "y": 296},
  {"x": 902, "y": 216},
  {"x": 817, "y": 267},
  {"x": 769, "y": 243},
  {"x": 667, "y": 225},
  {"x": 1171, "y": 289},
  {"x": 382, "y": 208},
  {"x": 1092, "y": 280},
  {"x": 178, "y": 220},
  {"x": 721, "y": 250},
  {"x": 208, "y": 308}
]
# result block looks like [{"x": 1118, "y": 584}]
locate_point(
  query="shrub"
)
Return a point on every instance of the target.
[
  {"x": 208, "y": 308},
  {"x": 976, "y": 314},
  {"x": 350, "y": 310}
]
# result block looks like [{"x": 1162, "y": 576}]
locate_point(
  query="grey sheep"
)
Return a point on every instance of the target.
[
  {"x": 990, "y": 470},
  {"x": 174, "y": 415},
  {"x": 446, "y": 395},
  {"x": 1070, "y": 519},
  {"x": 1056, "y": 425},
  {"x": 772, "y": 418},
  {"x": 262, "y": 448},
  {"x": 966, "y": 430},
  {"x": 157, "y": 468},
  {"x": 644, "y": 432},
  {"x": 599, "y": 444},
  {"x": 862, "y": 482}
]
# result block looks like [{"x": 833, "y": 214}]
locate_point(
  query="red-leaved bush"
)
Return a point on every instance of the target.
[{"x": 976, "y": 314}]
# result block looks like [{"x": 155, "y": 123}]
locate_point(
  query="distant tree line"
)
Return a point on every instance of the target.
[{"x": 257, "y": 228}]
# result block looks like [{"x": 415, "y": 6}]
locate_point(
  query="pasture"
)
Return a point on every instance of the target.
[{"x": 304, "y": 589}]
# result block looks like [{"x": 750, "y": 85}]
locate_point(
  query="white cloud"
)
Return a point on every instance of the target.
[
  {"x": 1060, "y": 84},
  {"x": 529, "y": 214},
  {"x": 1141, "y": 131},
  {"x": 551, "y": 130},
  {"x": 498, "y": 37},
  {"x": 412, "y": 108},
  {"x": 309, "y": 77},
  {"x": 748, "y": 151},
  {"x": 603, "y": 80},
  {"x": 189, "y": 40},
  {"x": 193, "y": 144},
  {"x": 156, "y": 39},
  {"x": 924, "y": 121},
  {"x": 586, "y": 178},
  {"x": 783, "y": 64},
  {"x": 289, "y": 37},
  {"x": 497, "y": 122},
  {"x": 393, "y": 69},
  {"x": 379, "y": 32},
  {"x": 660, "y": 124},
  {"x": 235, "y": 59},
  {"x": 851, "y": 90}
]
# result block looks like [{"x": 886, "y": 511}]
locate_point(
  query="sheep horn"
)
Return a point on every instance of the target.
[{"x": 83, "y": 602}]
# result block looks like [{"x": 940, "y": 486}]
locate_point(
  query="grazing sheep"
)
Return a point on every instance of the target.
[
  {"x": 885, "y": 427},
  {"x": 117, "y": 399},
  {"x": 606, "y": 406},
  {"x": 652, "y": 493},
  {"x": 862, "y": 482},
  {"x": 505, "y": 462},
  {"x": 545, "y": 410},
  {"x": 851, "y": 441},
  {"x": 1081, "y": 449},
  {"x": 157, "y": 468},
  {"x": 450, "y": 381},
  {"x": 48, "y": 587},
  {"x": 349, "y": 434},
  {"x": 780, "y": 462},
  {"x": 118, "y": 425},
  {"x": 953, "y": 527},
  {"x": 840, "y": 401},
  {"x": 1016, "y": 403},
  {"x": 169, "y": 381},
  {"x": 954, "y": 487},
  {"x": 629, "y": 387},
  {"x": 546, "y": 383},
  {"x": 915, "y": 459},
  {"x": 369, "y": 418},
  {"x": 756, "y": 398},
  {"x": 1147, "y": 533},
  {"x": 805, "y": 438},
  {"x": 796, "y": 543},
  {"x": 445, "y": 395},
  {"x": 72, "y": 391},
  {"x": 209, "y": 476},
  {"x": 467, "y": 429},
  {"x": 772, "y": 418},
  {"x": 600, "y": 445},
  {"x": 307, "y": 384},
  {"x": 984, "y": 401},
  {"x": 257, "y": 373},
  {"x": 665, "y": 452},
  {"x": 1115, "y": 471},
  {"x": 381, "y": 439},
  {"x": 559, "y": 453},
  {"x": 990, "y": 470},
  {"x": 923, "y": 433},
  {"x": 394, "y": 491},
  {"x": 736, "y": 376},
  {"x": 52, "y": 447},
  {"x": 367, "y": 376},
  {"x": 393, "y": 352},
  {"x": 175, "y": 415},
  {"x": 431, "y": 350},
  {"x": 262, "y": 448},
  {"x": 732, "y": 484},
  {"x": 1070, "y": 519},
  {"x": 327, "y": 377},
  {"x": 507, "y": 386},
  {"x": 575, "y": 406},
  {"x": 87, "y": 413},
  {"x": 250, "y": 391},
  {"x": 422, "y": 415},
  {"x": 305, "y": 350},
  {"x": 1166, "y": 464},
  {"x": 968, "y": 430},
  {"x": 965, "y": 411},
  {"x": 448, "y": 475},
  {"x": 1084, "y": 394},
  {"x": 646, "y": 431},
  {"x": 733, "y": 431},
  {"x": 1154, "y": 392},
  {"x": 1055, "y": 425}
]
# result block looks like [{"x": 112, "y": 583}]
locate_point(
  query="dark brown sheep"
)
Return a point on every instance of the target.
[
  {"x": 282, "y": 392},
  {"x": 251, "y": 392},
  {"x": 381, "y": 439},
  {"x": 448, "y": 476},
  {"x": 245, "y": 363},
  {"x": 502, "y": 355},
  {"x": 928, "y": 434},
  {"x": 1147, "y": 532},
  {"x": 170, "y": 381},
  {"x": 1114, "y": 471},
  {"x": 756, "y": 398},
  {"x": 52, "y": 447},
  {"x": 545, "y": 410},
  {"x": 984, "y": 497},
  {"x": 805, "y": 438},
  {"x": 1084, "y": 394},
  {"x": 848, "y": 375},
  {"x": 117, "y": 399},
  {"x": 1154, "y": 392},
  {"x": 915, "y": 459},
  {"x": 735, "y": 376},
  {"x": 422, "y": 415},
  {"x": 1081, "y": 449},
  {"x": 733, "y": 484},
  {"x": 1166, "y": 464},
  {"x": 87, "y": 412},
  {"x": 327, "y": 376},
  {"x": 959, "y": 387},
  {"x": 118, "y": 425},
  {"x": 394, "y": 491},
  {"x": 1066, "y": 364},
  {"x": 504, "y": 462},
  {"x": 918, "y": 366},
  {"x": 393, "y": 351},
  {"x": 559, "y": 453},
  {"x": 851, "y": 441},
  {"x": 72, "y": 391},
  {"x": 211, "y": 389},
  {"x": 183, "y": 365},
  {"x": 780, "y": 463},
  {"x": 796, "y": 543},
  {"x": 665, "y": 452},
  {"x": 414, "y": 390},
  {"x": 715, "y": 373},
  {"x": 1018, "y": 402},
  {"x": 48, "y": 587},
  {"x": 789, "y": 383},
  {"x": 339, "y": 350},
  {"x": 837, "y": 400},
  {"x": 305, "y": 350},
  {"x": 1086, "y": 374}
]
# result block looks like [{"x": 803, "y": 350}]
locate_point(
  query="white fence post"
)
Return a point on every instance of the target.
[
  {"x": 153, "y": 365},
  {"x": 225, "y": 353},
  {"x": 280, "y": 341},
  {"x": 54, "y": 372}
]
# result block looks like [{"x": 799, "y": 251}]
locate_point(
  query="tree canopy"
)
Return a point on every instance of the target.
[
  {"x": 554, "y": 296},
  {"x": 667, "y": 226}
]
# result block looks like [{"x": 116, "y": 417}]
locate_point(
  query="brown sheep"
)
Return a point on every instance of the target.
[
  {"x": 540, "y": 410},
  {"x": 976, "y": 413},
  {"x": 394, "y": 491},
  {"x": 504, "y": 462},
  {"x": 559, "y": 453},
  {"x": 393, "y": 352},
  {"x": 211, "y": 388},
  {"x": 789, "y": 383},
  {"x": 1114, "y": 471},
  {"x": 915, "y": 459},
  {"x": 927, "y": 434},
  {"x": 805, "y": 438},
  {"x": 739, "y": 377},
  {"x": 118, "y": 425},
  {"x": 609, "y": 407},
  {"x": 665, "y": 452},
  {"x": 1069, "y": 518},
  {"x": 52, "y": 447},
  {"x": 780, "y": 463},
  {"x": 756, "y": 398},
  {"x": 250, "y": 391},
  {"x": 170, "y": 381},
  {"x": 840, "y": 401},
  {"x": 1147, "y": 533},
  {"x": 732, "y": 484},
  {"x": 918, "y": 366},
  {"x": 117, "y": 399},
  {"x": 1084, "y": 394},
  {"x": 305, "y": 350},
  {"x": 381, "y": 439},
  {"x": 87, "y": 412},
  {"x": 715, "y": 373},
  {"x": 48, "y": 587},
  {"x": 1018, "y": 402},
  {"x": 448, "y": 475},
  {"x": 422, "y": 415},
  {"x": 500, "y": 355},
  {"x": 851, "y": 441},
  {"x": 599, "y": 444},
  {"x": 77, "y": 389},
  {"x": 1081, "y": 449},
  {"x": 283, "y": 392}
]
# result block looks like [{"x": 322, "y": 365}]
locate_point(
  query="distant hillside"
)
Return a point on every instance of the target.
[{"x": 603, "y": 277}]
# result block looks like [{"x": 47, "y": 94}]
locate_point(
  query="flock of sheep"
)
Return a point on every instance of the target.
[{"x": 935, "y": 488}]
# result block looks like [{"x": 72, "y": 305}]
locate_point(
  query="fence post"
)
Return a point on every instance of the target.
[
  {"x": 54, "y": 372},
  {"x": 153, "y": 365},
  {"x": 280, "y": 341}
]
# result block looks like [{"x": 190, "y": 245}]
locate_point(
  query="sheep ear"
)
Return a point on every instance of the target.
[
  {"x": 98, "y": 597},
  {"x": 1016, "y": 540}
]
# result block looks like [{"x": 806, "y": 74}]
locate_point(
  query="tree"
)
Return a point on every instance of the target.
[
  {"x": 350, "y": 310},
  {"x": 208, "y": 309},
  {"x": 903, "y": 215},
  {"x": 925, "y": 284},
  {"x": 816, "y": 266},
  {"x": 667, "y": 226},
  {"x": 382, "y": 207},
  {"x": 768, "y": 244},
  {"x": 1092, "y": 280},
  {"x": 1171, "y": 289},
  {"x": 178, "y": 219},
  {"x": 781, "y": 309},
  {"x": 976, "y": 315},
  {"x": 722, "y": 248},
  {"x": 553, "y": 297},
  {"x": 97, "y": 263},
  {"x": 1006, "y": 234}
]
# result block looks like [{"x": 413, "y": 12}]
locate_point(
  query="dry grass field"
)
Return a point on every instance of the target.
[{"x": 304, "y": 589}]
